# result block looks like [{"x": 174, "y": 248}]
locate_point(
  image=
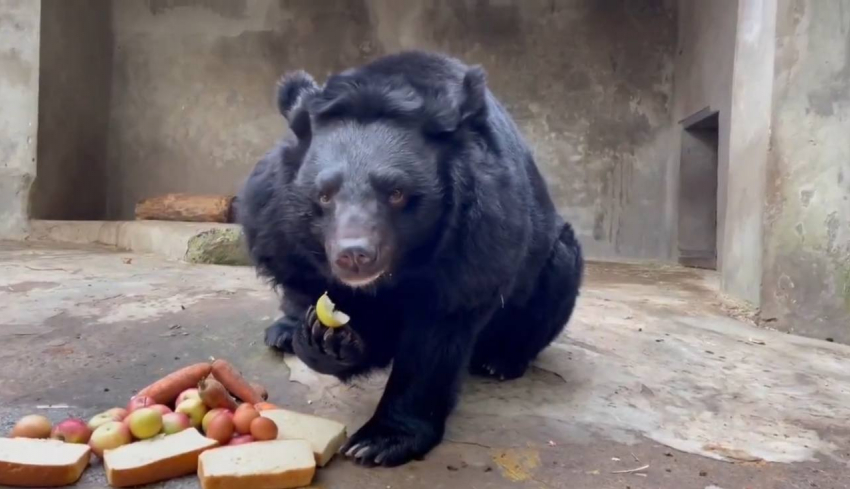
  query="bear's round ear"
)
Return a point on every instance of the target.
[
  {"x": 292, "y": 90},
  {"x": 474, "y": 101},
  {"x": 449, "y": 111}
]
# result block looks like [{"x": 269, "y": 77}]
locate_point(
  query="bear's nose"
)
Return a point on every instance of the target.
[{"x": 355, "y": 255}]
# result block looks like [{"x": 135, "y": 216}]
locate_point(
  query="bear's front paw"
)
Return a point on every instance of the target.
[
  {"x": 391, "y": 443},
  {"x": 332, "y": 351}
]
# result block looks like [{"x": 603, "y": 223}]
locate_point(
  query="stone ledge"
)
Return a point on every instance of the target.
[{"x": 210, "y": 243}]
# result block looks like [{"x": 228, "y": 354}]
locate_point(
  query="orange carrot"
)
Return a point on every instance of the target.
[
  {"x": 260, "y": 390},
  {"x": 166, "y": 389},
  {"x": 265, "y": 406},
  {"x": 233, "y": 381}
]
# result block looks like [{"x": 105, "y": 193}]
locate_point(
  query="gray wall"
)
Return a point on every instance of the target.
[
  {"x": 589, "y": 82},
  {"x": 749, "y": 134},
  {"x": 807, "y": 242},
  {"x": 73, "y": 115},
  {"x": 19, "y": 41}
]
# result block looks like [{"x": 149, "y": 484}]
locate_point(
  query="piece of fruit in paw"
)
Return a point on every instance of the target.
[{"x": 327, "y": 313}]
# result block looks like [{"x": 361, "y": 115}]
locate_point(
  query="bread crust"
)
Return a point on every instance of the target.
[
  {"x": 268, "y": 473},
  {"x": 161, "y": 470},
  {"x": 31, "y": 475},
  {"x": 290, "y": 479}
]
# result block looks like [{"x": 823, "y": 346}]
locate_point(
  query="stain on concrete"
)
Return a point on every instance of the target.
[
  {"x": 833, "y": 224},
  {"x": 806, "y": 196},
  {"x": 16, "y": 70},
  {"x": 14, "y": 194},
  {"x": 801, "y": 232},
  {"x": 517, "y": 464},
  {"x": 826, "y": 99},
  {"x": 24, "y": 287},
  {"x": 225, "y": 8}
]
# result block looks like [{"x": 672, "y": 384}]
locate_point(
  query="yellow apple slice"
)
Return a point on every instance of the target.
[{"x": 327, "y": 313}]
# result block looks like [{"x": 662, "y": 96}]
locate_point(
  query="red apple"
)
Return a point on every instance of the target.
[
  {"x": 108, "y": 436},
  {"x": 138, "y": 402},
  {"x": 72, "y": 430},
  {"x": 212, "y": 414},
  {"x": 241, "y": 440},
  {"x": 186, "y": 395},
  {"x": 144, "y": 423},
  {"x": 195, "y": 409},
  {"x": 162, "y": 408},
  {"x": 175, "y": 423}
]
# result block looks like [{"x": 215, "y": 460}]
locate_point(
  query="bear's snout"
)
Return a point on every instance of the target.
[{"x": 355, "y": 255}]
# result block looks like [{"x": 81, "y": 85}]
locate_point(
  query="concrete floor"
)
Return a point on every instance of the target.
[{"x": 653, "y": 371}]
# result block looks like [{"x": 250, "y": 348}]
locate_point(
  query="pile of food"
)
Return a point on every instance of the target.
[{"x": 204, "y": 418}]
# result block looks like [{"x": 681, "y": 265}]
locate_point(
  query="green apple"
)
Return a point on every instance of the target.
[
  {"x": 195, "y": 409},
  {"x": 109, "y": 436},
  {"x": 145, "y": 423},
  {"x": 192, "y": 393},
  {"x": 114, "y": 414}
]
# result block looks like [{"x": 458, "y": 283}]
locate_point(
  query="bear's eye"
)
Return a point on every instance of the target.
[
  {"x": 396, "y": 197},
  {"x": 324, "y": 199}
]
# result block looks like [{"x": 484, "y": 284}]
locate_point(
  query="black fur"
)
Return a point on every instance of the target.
[
  {"x": 479, "y": 270},
  {"x": 290, "y": 90}
]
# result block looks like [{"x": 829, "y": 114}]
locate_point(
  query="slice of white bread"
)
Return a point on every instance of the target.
[
  {"x": 325, "y": 436},
  {"x": 275, "y": 464},
  {"x": 25, "y": 462},
  {"x": 157, "y": 459}
]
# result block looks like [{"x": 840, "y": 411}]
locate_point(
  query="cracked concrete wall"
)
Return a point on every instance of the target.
[
  {"x": 590, "y": 84},
  {"x": 19, "y": 44},
  {"x": 76, "y": 72},
  {"x": 807, "y": 241}
]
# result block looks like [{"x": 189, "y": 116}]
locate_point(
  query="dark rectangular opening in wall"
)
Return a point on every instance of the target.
[
  {"x": 698, "y": 191},
  {"x": 75, "y": 82}
]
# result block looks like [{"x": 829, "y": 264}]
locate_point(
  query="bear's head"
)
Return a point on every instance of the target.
[{"x": 377, "y": 158}]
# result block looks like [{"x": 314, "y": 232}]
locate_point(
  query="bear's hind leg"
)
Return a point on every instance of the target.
[
  {"x": 495, "y": 354},
  {"x": 517, "y": 334}
]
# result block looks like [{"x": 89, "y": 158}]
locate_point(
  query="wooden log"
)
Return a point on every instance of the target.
[{"x": 185, "y": 207}]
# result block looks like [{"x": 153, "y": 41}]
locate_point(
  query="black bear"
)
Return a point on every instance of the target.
[{"x": 408, "y": 195}]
